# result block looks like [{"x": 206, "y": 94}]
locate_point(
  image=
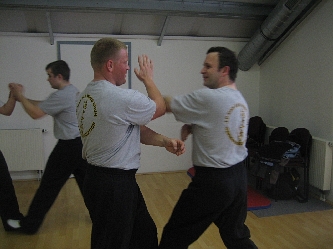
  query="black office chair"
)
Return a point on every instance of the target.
[
  {"x": 302, "y": 137},
  {"x": 282, "y": 156},
  {"x": 279, "y": 134},
  {"x": 255, "y": 137},
  {"x": 270, "y": 154}
]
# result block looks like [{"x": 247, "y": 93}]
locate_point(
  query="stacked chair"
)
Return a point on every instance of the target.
[
  {"x": 269, "y": 155},
  {"x": 255, "y": 137},
  {"x": 282, "y": 160}
]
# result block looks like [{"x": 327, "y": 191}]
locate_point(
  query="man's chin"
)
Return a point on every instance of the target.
[{"x": 120, "y": 84}]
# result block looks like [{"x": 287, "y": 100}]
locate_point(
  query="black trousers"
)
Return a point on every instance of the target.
[
  {"x": 64, "y": 160},
  {"x": 119, "y": 215},
  {"x": 214, "y": 196},
  {"x": 9, "y": 208}
]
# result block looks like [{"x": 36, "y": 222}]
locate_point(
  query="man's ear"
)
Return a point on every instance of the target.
[
  {"x": 109, "y": 65},
  {"x": 60, "y": 76},
  {"x": 225, "y": 70}
]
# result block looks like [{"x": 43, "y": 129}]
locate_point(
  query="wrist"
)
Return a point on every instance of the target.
[
  {"x": 165, "y": 141},
  {"x": 149, "y": 82}
]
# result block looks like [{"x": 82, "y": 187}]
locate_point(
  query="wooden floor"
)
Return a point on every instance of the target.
[{"x": 68, "y": 226}]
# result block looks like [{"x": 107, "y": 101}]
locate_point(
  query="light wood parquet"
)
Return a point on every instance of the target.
[{"x": 68, "y": 226}]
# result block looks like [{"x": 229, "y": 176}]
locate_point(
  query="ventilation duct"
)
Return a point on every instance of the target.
[{"x": 271, "y": 30}]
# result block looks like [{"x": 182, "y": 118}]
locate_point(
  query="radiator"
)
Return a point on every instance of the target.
[
  {"x": 23, "y": 149},
  {"x": 320, "y": 167}
]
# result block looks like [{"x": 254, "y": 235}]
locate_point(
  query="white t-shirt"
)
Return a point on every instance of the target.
[
  {"x": 61, "y": 105},
  {"x": 109, "y": 121},
  {"x": 220, "y": 122}
]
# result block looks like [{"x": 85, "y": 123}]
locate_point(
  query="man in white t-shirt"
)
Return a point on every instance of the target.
[
  {"x": 217, "y": 117},
  {"x": 66, "y": 157},
  {"x": 112, "y": 124}
]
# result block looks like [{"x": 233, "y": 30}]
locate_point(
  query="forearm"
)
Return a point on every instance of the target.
[
  {"x": 156, "y": 96},
  {"x": 167, "y": 101},
  {"x": 34, "y": 102},
  {"x": 185, "y": 131},
  {"x": 31, "y": 107},
  {"x": 8, "y": 108},
  {"x": 145, "y": 74},
  {"x": 150, "y": 137}
]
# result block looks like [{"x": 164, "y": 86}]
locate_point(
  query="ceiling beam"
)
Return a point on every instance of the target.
[
  {"x": 165, "y": 25},
  {"x": 49, "y": 26},
  {"x": 202, "y": 8}
]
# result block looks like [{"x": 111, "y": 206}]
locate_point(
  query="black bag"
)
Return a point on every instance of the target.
[{"x": 286, "y": 187}]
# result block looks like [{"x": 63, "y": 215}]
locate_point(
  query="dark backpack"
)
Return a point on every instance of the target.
[{"x": 286, "y": 186}]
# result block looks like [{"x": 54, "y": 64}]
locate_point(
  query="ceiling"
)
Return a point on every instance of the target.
[
  {"x": 195, "y": 18},
  {"x": 237, "y": 19}
]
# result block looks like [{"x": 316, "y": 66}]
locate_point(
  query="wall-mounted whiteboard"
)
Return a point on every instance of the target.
[{"x": 77, "y": 55}]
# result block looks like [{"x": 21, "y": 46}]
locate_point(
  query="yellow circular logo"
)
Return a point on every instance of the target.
[
  {"x": 86, "y": 100},
  {"x": 237, "y": 109}
]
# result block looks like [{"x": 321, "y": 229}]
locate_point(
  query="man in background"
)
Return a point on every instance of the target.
[
  {"x": 66, "y": 157},
  {"x": 217, "y": 116},
  {"x": 9, "y": 208}
]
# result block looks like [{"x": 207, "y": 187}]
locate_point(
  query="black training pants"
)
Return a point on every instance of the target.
[
  {"x": 9, "y": 208},
  {"x": 214, "y": 196},
  {"x": 118, "y": 211},
  {"x": 64, "y": 160}
]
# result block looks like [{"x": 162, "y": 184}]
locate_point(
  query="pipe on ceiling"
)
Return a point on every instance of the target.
[{"x": 271, "y": 30}]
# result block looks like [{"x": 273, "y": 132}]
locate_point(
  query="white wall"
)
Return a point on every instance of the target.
[
  {"x": 177, "y": 70},
  {"x": 296, "y": 85}
]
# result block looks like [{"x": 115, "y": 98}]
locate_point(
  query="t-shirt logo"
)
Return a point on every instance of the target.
[
  {"x": 86, "y": 100},
  {"x": 236, "y": 112}
]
